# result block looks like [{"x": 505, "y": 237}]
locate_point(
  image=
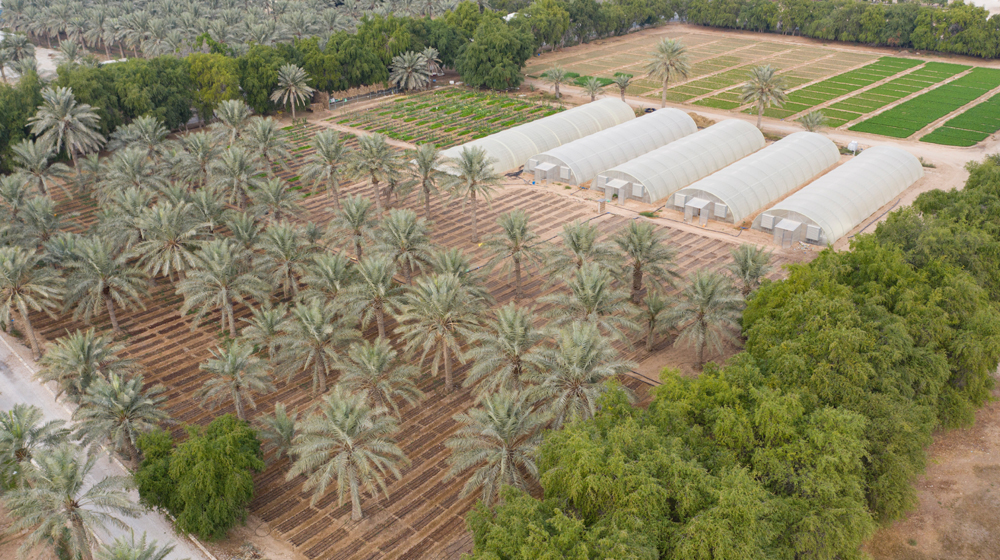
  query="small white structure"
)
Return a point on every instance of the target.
[
  {"x": 511, "y": 148},
  {"x": 740, "y": 190},
  {"x": 654, "y": 176},
  {"x": 837, "y": 202},
  {"x": 581, "y": 160}
]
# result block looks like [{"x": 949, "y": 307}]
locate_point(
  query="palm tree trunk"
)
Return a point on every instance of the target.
[
  {"x": 238, "y": 405},
  {"x": 649, "y": 337},
  {"x": 427, "y": 203},
  {"x": 293, "y": 110},
  {"x": 336, "y": 192},
  {"x": 357, "y": 247},
  {"x": 85, "y": 553},
  {"x": 663, "y": 98},
  {"x": 636, "y": 281},
  {"x": 121, "y": 49},
  {"x": 320, "y": 377},
  {"x": 380, "y": 319},
  {"x": 111, "y": 311},
  {"x": 231, "y": 318},
  {"x": 557, "y": 90},
  {"x": 35, "y": 352},
  {"x": 475, "y": 225},
  {"x": 378, "y": 201},
  {"x": 623, "y": 94},
  {"x": 760, "y": 114},
  {"x": 517, "y": 278},
  {"x": 407, "y": 272},
  {"x": 447, "y": 368},
  {"x": 701, "y": 343},
  {"x": 356, "y": 514},
  {"x": 133, "y": 453}
]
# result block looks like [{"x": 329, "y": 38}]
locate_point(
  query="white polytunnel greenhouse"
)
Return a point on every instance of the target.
[
  {"x": 658, "y": 174},
  {"x": 740, "y": 190},
  {"x": 581, "y": 160},
  {"x": 511, "y": 148},
  {"x": 834, "y": 204}
]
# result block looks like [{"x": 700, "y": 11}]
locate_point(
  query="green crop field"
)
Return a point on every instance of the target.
[
  {"x": 446, "y": 117},
  {"x": 909, "y": 117},
  {"x": 969, "y": 128}
]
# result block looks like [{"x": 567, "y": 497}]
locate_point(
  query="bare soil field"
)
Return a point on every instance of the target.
[{"x": 424, "y": 515}]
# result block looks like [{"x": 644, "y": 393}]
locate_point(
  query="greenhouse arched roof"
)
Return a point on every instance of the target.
[
  {"x": 588, "y": 156},
  {"x": 837, "y": 202},
  {"x": 511, "y": 148},
  {"x": 666, "y": 170},
  {"x": 755, "y": 181}
]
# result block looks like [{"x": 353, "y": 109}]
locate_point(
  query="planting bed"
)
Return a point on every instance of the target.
[
  {"x": 423, "y": 517},
  {"x": 909, "y": 117},
  {"x": 969, "y": 128},
  {"x": 446, "y": 117}
]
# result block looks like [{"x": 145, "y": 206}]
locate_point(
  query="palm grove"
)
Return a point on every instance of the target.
[{"x": 208, "y": 217}]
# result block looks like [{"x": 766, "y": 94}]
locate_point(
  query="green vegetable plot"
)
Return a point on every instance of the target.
[
  {"x": 969, "y": 128},
  {"x": 907, "y": 118}
]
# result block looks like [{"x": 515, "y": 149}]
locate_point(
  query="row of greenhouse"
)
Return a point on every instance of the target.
[{"x": 723, "y": 172}]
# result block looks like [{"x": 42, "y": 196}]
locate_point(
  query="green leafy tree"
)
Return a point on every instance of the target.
[
  {"x": 27, "y": 285},
  {"x": 116, "y": 409},
  {"x": 23, "y": 434},
  {"x": 670, "y": 60},
  {"x": 347, "y": 443},
  {"x": 707, "y": 313},
  {"x": 102, "y": 276},
  {"x": 647, "y": 255},
  {"x": 764, "y": 89},
  {"x": 495, "y": 56},
  {"x": 505, "y": 353},
  {"x": 258, "y": 76},
  {"x": 375, "y": 369},
  {"x": 236, "y": 374},
  {"x": 60, "y": 509},
  {"x": 497, "y": 440},
  {"x": 474, "y": 179},
  {"x": 215, "y": 78},
  {"x": 515, "y": 245}
]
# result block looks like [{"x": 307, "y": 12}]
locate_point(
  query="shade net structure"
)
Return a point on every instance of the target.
[
  {"x": 581, "y": 160},
  {"x": 825, "y": 210},
  {"x": 740, "y": 190},
  {"x": 654, "y": 176},
  {"x": 511, "y": 148}
]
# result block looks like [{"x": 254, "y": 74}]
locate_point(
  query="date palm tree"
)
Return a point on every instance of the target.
[
  {"x": 209, "y": 206},
  {"x": 120, "y": 219},
  {"x": 433, "y": 62},
  {"x": 264, "y": 327},
  {"x": 171, "y": 232},
  {"x": 405, "y": 239},
  {"x": 454, "y": 261},
  {"x": 233, "y": 116},
  {"x": 277, "y": 431},
  {"x": 764, "y": 89},
  {"x": 513, "y": 247},
  {"x": 14, "y": 193},
  {"x": 130, "y": 168},
  {"x": 593, "y": 87},
  {"x": 324, "y": 166},
  {"x": 375, "y": 369},
  {"x": 145, "y": 132},
  {"x": 62, "y": 509},
  {"x": 267, "y": 143},
  {"x": 327, "y": 275},
  {"x": 654, "y": 315},
  {"x": 555, "y": 76},
  {"x": 293, "y": 87},
  {"x": 594, "y": 299},
  {"x": 669, "y": 60},
  {"x": 81, "y": 358},
  {"x": 198, "y": 151},
  {"x": 409, "y": 71},
  {"x": 235, "y": 174},
  {"x": 580, "y": 246},
  {"x": 474, "y": 179},
  {"x": 27, "y": 285},
  {"x": 426, "y": 161},
  {"x": 102, "y": 276},
  {"x": 354, "y": 222},
  {"x": 61, "y": 122},
  {"x": 374, "y": 160},
  {"x": 244, "y": 227},
  {"x": 505, "y": 353},
  {"x": 128, "y": 549},
  {"x": 436, "y": 319},
  {"x": 348, "y": 443},
  {"x": 40, "y": 219},
  {"x": 707, "y": 313},
  {"x": 117, "y": 409},
  {"x": 284, "y": 257},
  {"x": 813, "y": 121},
  {"x": 23, "y": 434},
  {"x": 575, "y": 372},
  {"x": 222, "y": 276},
  {"x": 311, "y": 339},
  {"x": 274, "y": 197},
  {"x": 751, "y": 263},
  {"x": 647, "y": 255},
  {"x": 31, "y": 163},
  {"x": 236, "y": 374},
  {"x": 498, "y": 440},
  {"x": 375, "y": 293},
  {"x": 622, "y": 81}
]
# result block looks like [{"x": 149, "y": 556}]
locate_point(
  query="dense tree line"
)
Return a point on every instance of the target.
[{"x": 803, "y": 443}]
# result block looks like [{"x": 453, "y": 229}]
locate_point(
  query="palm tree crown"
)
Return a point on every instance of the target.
[
  {"x": 708, "y": 313},
  {"x": 404, "y": 238},
  {"x": 474, "y": 178},
  {"x": 506, "y": 353},
  {"x": 117, "y": 409},
  {"x": 647, "y": 255},
  {"x": 27, "y": 285},
  {"x": 77, "y": 360},
  {"x": 22, "y": 435},
  {"x": 374, "y": 368},
  {"x": 311, "y": 340},
  {"x": 293, "y": 87},
  {"x": 103, "y": 276},
  {"x": 764, "y": 88},
  {"x": 61, "y": 122},
  {"x": 670, "y": 60},
  {"x": 236, "y": 375},
  {"x": 409, "y": 71},
  {"x": 374, "y": 160},
  {"x": 751, "y": 263},
  {"x": 427, "y": 160},
  {"x": 323, "y": 167},
  {"x": 128, "y": 549},
  {"x": 514, "y": 246}
]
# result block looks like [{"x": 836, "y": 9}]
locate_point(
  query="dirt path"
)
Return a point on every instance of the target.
[{"x": 362, "y": 132}]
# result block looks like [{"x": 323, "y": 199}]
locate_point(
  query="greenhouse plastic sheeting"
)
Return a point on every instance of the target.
[
  {"x": 588, "y": 156},
  {"x": 755, "y": 181},
  {"x": 664, "y": 171},
  {"x": 511, "y": 148},
  {"x": 837, "y": 202}
]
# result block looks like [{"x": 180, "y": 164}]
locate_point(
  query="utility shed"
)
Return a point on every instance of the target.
[
  {"x": 581, "y": 160},
  {"x": 738, "y": 191},
  {"x": 658, "y": 174},
  {"x": 837, "y": 202},
  {"x": 511, "y": 148}
]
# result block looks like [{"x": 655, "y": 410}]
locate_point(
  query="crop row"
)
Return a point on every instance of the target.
[
  {"x": 909, "y": 117},
  {"x": 969, "y": 128},
  {"x": 948, "y": 136}
]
